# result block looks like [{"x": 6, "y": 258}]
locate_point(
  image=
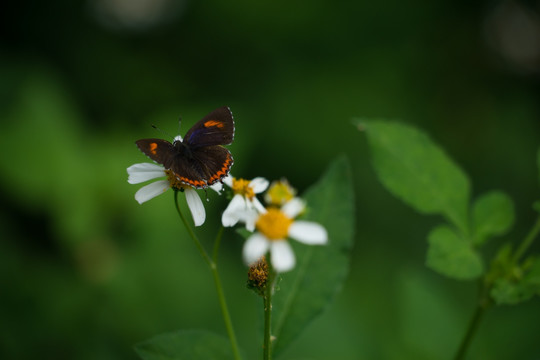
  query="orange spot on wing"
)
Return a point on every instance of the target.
[
  {"x": 211, "y": 123},
  {"x": 153, "y": 147},
  {"x": 196, "y": 183},
  {"x": 223, "y": 171},
  {"x": 203, "y": 184}
]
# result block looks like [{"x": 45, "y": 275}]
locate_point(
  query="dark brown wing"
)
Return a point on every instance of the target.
[
  {"x": 216, "y": 128},
  {"x": 213, "y": 162},
  {"x": 159, "y": 150},
  {"x": 189, "y": 171}
]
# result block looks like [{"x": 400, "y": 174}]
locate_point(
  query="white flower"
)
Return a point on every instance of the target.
[
  {"x": 279, "y": 193},
  {"x": 244, "y": 206},
  {"x": 139, "y": 173},
  {"x": 274, "y": 227}
]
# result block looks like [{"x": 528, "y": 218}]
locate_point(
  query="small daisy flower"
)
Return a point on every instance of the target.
[
  {"x": 274, "y": 227},
  {"x": 139, "y": 173},
  {"x": 244, "y": 206},
  {"x": 279, "y": 193}
]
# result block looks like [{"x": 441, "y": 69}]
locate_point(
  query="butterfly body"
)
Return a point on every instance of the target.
[{"x": 199, "y": 160}]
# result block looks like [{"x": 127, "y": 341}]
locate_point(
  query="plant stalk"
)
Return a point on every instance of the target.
[
  {"x": 198, "y": 244},
  {"x": 520, "y": 251},
  {"x": 484, "y": 302},
  {"x": 212, "y": 263},
  {"x": 225, "y": 312},
  {"x": 267, "y": 300},
  {"x": 473, "y": 325}
]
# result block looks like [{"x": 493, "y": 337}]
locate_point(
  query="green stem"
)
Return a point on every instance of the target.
[
  {"x": 473, "y": 325},
  {"x": 527, "y": 241},
  {"x": 190, "y": 231},
  {"x": 216, "y": 244},
  {"x": 483, "y": 303},
  {"x": 225, "y": 312},
  {"x": 212, "y": 263},
  {"x": 267, "y": 344}
]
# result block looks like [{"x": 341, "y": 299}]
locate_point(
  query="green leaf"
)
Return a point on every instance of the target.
[
  {"x": 532, "y": 276},
  {"x": 453, "y": 256},
  {"x": 493, "y": 214},
  {"x": 517, "y": 287},
  {"x": 416, "y": 170},
  {"x": 501, "y": 265},
  {"x": 509, "y": 292},
  {"x": 185, "y": 344},
  {"x": 320, "y": 271}
]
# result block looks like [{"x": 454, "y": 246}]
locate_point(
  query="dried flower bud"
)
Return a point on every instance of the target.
[{"x": 258, "y": 276}]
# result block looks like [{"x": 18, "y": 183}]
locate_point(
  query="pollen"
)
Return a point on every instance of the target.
[
  {"x": 174, "y": 181},
  {"x": 274, "y": 224},
  {"x": 279, "y": 193},
  {"x": 242, "y": 187}
]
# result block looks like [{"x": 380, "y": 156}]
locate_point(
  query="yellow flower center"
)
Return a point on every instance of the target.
[
  {"x": 241, "y": 186},
  {"x": 274, "y": 224},
  {"x": 173, "y": 180},
  {"x": 279, "y": 193}
]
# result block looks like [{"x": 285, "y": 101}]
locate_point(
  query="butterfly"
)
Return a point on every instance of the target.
[{"x": 199, "y": 160}]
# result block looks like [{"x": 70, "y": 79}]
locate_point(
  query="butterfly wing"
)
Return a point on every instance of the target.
[
  {"x": 201, "y": 161},
  {"x": 189, "y": 171},
  {"x": 214, "y": 162},
  {"x": 207, "y": 166},
  {"x": 216, "y": 128},
  {"x": 159, "y": 150}
]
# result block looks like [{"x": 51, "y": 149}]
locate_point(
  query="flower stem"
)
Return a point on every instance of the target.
[
  {"x": 527, "y": 241},
  {"x": 198, "y": 244},
  {"x": 212, "y": 263},
  {"x": 267, "y": 299},
  {"x": 473, "y": 325},
  {"x": 216, "y": 244},
  {"x": 221, "y": 296},
  {"x": 485, "y": 301},
  {"x": 225, "y": 312}
]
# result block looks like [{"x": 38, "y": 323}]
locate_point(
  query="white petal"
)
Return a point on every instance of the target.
[
  {"x": 250, "y": 218},
  {"x": 178, "y": 138},
  {"x": 259, "y": 184},
  {"x": 255, "y": 246},
  {"x": 139, "y": 173},
  {"x": 293, "y": 207},
  {"x": 152, "y": 190},
  {"x": 196, "y": 206},
  {"x": 308, "y": 232},
  {"x": 231, "y": 214},
  {"x": 228, "y": 180},
  {"x": 258, "y": 206},
  {"x": 145, "y": 167},
  {"x": 217, "y": 187},
  {"x": 282, "y": 255}
]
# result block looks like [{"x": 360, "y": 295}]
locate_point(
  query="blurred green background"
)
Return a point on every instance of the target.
[{"x": 86, "y": 272}]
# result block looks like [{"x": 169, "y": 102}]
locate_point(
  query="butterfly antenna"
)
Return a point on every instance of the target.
[
  {"x": 161, "y": 131},
  {"x": 179, "y": 122},
  {"x": 206, "y": 194}
]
